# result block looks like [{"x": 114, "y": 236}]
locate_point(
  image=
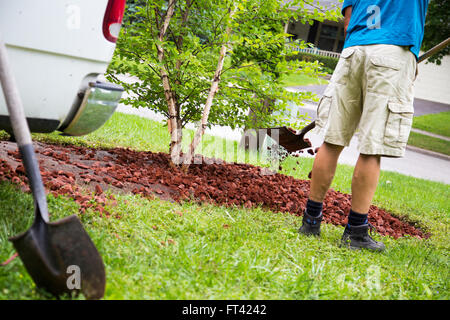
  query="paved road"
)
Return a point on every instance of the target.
[{"x": 421, "y": 107}]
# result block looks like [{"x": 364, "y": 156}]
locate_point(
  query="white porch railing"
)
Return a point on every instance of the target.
[{"x": 319, "y": 52}]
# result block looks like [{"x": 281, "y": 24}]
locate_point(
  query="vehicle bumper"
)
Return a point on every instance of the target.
[{"x": 98, "y": 104}]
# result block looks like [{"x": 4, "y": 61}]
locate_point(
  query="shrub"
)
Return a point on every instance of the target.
[{"x": 329, "y": 63}]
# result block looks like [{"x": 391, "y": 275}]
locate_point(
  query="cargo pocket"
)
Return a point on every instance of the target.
[
  {"x": 323, "y": 111},
  {"x": 398, "y": 125},
  {"x": 342, "y": 71},
  {"x": 384, "y": 76}
]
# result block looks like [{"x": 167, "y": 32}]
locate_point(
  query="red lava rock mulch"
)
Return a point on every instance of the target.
[{"x": 67, "y": 170}]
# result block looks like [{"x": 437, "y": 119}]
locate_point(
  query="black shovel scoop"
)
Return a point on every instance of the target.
[
  {"x": 290, "y": 139},
  {"x": 59, "y": 256}
]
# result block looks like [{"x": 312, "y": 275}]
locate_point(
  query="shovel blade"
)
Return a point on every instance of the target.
[
  {"x": 290, "y": 140},
  {"x": 61, "y": 258}
]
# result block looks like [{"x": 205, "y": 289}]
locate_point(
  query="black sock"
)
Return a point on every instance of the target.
[
  {"x": 357, "y": 219},
  {"x": 313, "y": 208}
]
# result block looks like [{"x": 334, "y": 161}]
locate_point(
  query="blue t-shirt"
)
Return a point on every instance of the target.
[{"x": 398, "y": 22}]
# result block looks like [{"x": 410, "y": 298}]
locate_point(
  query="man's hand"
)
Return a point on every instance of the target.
[{"x": 348, "y": 15}]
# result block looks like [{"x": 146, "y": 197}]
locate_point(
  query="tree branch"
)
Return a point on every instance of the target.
[
  {"x": 175, "y": 134},
  {"x": 214, "y": 88}
]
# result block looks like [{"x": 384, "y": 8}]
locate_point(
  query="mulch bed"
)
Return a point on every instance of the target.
[{"x": 70, "y": 170}]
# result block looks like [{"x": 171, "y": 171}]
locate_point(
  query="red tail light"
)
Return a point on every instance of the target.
[{"x": 113, "y": 19}]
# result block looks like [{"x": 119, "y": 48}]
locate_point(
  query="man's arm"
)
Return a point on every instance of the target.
[{"x": 347, "y": 16}]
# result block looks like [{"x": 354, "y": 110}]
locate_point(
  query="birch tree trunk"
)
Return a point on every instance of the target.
[
  {"x": 188, "y": 158},
  {"x": 175, "y": 129}
]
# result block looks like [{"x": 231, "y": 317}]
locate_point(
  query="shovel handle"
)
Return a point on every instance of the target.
[
  {"x": 12, "y": 98},
  {"x": 434, "y": 50},
  {"x": 308, "y": 128},
  {"x": 22, "y": 132}
]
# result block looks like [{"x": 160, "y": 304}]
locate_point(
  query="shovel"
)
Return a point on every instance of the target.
[
  {"x": 293, "y": 141},
  {"x": 290, "y": 139},
  {"x": 59, "y": 256}
]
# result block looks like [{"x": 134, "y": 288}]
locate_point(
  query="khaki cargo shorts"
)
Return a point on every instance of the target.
[{"x": 371, "y": 93}]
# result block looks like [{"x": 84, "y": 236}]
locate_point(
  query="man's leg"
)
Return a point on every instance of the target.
[
  {"x": 364, "y": 184},
  {"x": 323, "y": 171},
  {"x": 338, "y": 115}
]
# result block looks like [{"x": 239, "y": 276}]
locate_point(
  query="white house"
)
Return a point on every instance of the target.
[{"x": 433, "y": 81}]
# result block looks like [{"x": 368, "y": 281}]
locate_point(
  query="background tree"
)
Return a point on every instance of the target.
[
  {"x": 226, "y": 55},
  {"x": 437, "y": 28}
]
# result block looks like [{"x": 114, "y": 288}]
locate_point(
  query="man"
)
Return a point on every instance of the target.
[{"x": 370, "y": 93}]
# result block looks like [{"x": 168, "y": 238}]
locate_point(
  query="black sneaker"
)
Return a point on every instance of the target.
[
  {"x": 357, "y": 237},
  {"x": 311, "y": 225}
]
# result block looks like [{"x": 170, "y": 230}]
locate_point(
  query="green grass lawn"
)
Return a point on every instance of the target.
[
  {"x": 429, "y": 143},
  {"x": 438, "y": 123},
  {"x": 294, "y": 80},
  {"x": 164, "y": 250}
]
